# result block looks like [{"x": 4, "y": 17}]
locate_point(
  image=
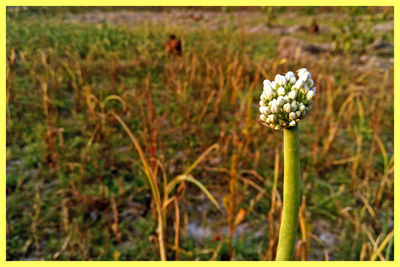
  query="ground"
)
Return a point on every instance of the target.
[{"x": 77, "y": 188}]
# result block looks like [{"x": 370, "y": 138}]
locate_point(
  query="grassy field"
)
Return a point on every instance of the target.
[{"x": 101, "y": 123}]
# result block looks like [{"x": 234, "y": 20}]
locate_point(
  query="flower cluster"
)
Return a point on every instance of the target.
[{"x": 286, "y": 100}]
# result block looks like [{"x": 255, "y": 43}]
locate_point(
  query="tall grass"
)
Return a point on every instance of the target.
[{"x": 86, "y": 94}]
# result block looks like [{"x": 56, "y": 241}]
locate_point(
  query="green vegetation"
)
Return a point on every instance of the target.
[{"x": 77, "y": 188}]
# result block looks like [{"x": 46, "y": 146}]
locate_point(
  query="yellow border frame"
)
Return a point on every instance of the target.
[{"x": 5, "y": 3}]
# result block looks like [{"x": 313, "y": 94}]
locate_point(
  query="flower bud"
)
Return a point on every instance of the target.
[
  {"x": 267, "y": 84},
  {"x": 263, "y": 118},
  {"x": 292, "y": 116},
  {"x": 292, "y": 123},
  {"x": 280, "y": 101},
  {"x": 274, "y": 108},
  {"x": 292, "y": 94},
  {"x": 289, "y": 75},
  {"x": 294, "y": 105},
  {"x": 299, "y": 84},
  {"x": 280, "y": 79},
  {"x": 301, "y": 71},
  {"x": 310, "y": 95},
  {"x": 264, "y": 110},
  {"x": 281, "y": 91},
  {"x": 272, "y": 118},
  {"x": 269, "y": 93},
  {"x": 263, "y": 97},
  {"x": 305, "y": 76},
  {"x": 287, "y": 108}
]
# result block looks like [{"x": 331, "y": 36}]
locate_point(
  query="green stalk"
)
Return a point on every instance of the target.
[{"x": 291, "y": 195}]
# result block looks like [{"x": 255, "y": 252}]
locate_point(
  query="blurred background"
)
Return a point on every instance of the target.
[{"x": 84, "y": 83}]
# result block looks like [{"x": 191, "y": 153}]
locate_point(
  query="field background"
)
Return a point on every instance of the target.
[{"x": 77, "y": 188}]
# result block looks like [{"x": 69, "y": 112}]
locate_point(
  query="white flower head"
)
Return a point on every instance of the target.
[{"x": 280, "y": 109}]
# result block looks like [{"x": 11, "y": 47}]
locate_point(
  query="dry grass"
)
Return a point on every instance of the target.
[{"x": 98, "y": 118}]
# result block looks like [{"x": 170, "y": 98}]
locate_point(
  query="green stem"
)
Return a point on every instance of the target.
[{"x": 291, "y": 195}]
